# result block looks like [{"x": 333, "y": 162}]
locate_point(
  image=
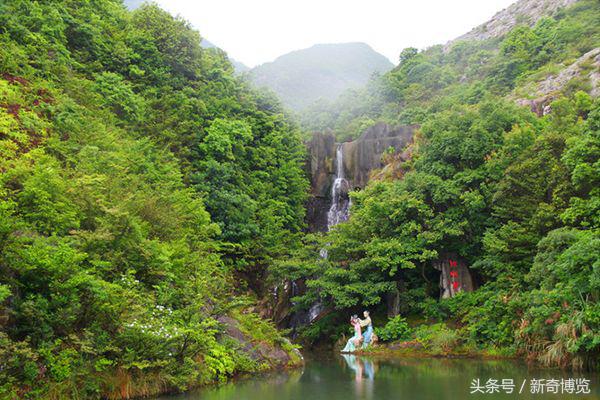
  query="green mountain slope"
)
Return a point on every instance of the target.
[
  {"x": 140, "y": 183},
  {"x": 464, "y": 71},
  {"x": 492, "y": 191},
  {"x": 322, "y": 71},
  {"x": 238, "y": 66}
]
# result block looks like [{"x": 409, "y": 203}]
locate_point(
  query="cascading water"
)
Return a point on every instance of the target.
[
  {"x": 340, "y": 202},
  {"x": 338, "y": 212}
]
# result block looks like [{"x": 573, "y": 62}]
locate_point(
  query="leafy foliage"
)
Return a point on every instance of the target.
[
  {"x": 396, "y": 328},
  {"x": 511, "y": 194},
  {"x": 438, "y": 338},
  {"x": 136, "y": 175}
]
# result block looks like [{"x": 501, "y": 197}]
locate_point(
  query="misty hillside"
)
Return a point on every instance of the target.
[{"x": 321, "y": 71}]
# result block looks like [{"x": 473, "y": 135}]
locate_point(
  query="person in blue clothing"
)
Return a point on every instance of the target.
[{"x": 368, "y": 335}]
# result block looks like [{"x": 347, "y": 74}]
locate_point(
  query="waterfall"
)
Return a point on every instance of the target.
[
  {"x": 338, "y": 212},
  {"x": 340, "y": 202}
]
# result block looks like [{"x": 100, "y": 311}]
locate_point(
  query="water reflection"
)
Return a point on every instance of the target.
[
  {"x": 349, "y": 377},
  {"x": 364, "y": 373}
]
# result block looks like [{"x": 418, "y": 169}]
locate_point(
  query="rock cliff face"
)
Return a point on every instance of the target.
[
  {"x": 360, "y": 158},
  {"x": 586, "y": 67},
  {"x": 455, "y": 276},
  {"x": 321, "y": 151},
  {"x": 520, "y": 12}
]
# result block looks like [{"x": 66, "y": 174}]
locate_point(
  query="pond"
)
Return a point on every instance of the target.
[{"x": 353, "y": 377}]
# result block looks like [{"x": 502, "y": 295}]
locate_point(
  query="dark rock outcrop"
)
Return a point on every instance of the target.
[
  {"x": 361, "y": 157},
  {"x": 321, "y": 151},
  {"x": 455, "y": 276},
  {"x": 364, "y": 155}
]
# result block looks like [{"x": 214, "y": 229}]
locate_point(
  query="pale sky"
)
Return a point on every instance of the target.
[{"x": 257, "y": 31}]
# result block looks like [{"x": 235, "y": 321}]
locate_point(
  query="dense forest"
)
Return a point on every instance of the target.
[
  {"x": 490, "y": 184},
  {"x": 141, "y": 184},
  {"x": 151, "y": 200}
]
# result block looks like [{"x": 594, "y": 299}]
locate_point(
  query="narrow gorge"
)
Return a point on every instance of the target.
[{"x": 167, "y": 224}]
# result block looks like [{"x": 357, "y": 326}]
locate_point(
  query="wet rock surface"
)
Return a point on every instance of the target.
[{"x": 360, "y": 158}]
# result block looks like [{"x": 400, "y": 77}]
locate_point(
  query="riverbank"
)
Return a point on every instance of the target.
[
  {"x": 263, "y": 358},
  {"x": 258, "y": 349},
  {"x": 417, "y": 350},
  {"x": 243, "y": 346},
  {"x": 418, "y": 338}
]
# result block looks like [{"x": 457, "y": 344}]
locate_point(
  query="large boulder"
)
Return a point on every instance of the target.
[{"x": 455, "y": 276}]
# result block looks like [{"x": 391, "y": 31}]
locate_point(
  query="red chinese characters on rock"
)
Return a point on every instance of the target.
[{"x": 454, "y": 274}]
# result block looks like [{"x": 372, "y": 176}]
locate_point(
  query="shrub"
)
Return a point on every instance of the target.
[
  {"x": 438, "y": 338},
  {"x": 18, "y": 366},
  {"x": 396, "y": 328},
  {"x": 434, "y": 309}
]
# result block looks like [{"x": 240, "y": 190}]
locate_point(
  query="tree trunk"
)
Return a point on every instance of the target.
[
  {"x": 393, "y": 303},
  {"x": 393, "y": 300}
]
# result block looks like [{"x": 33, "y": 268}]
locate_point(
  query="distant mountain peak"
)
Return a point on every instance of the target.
[{"x": 324, "y": 70}]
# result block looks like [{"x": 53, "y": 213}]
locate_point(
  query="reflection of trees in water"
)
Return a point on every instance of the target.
[
  {"x": 450, "y": 374},
  {"x": 445, "y": 367},
  {"x": 437, "y": 377},
  {"x": 266, "y": 387}
]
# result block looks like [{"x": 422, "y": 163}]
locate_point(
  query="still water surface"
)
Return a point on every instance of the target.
[{"x": 350, "y": 377}]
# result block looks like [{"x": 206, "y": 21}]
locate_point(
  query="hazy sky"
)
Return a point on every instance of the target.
[{"x": 257, "y": 31}]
